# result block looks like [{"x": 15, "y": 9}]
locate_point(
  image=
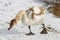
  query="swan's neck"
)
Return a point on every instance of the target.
[{"x": 25, "y": 17}]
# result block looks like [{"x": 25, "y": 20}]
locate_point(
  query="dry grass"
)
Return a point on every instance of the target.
[{"x": 55, "y": 10}]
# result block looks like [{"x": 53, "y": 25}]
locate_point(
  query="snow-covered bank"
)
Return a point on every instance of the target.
[{"x": 9, "y": 10}]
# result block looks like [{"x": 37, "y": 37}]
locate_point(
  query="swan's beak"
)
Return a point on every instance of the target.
[{"x": 11, "y": 24}]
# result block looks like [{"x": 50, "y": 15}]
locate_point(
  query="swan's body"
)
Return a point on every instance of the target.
[
  {"x": 38, "y": 19},
  {"x": 33, "y": 16},
  {"x": 29, "y": 21}
]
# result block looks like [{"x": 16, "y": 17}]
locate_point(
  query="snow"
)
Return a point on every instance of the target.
[{"x": 9, "y": 9}]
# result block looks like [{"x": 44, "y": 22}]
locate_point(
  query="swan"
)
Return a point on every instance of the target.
[{"x": 30, "y": 17}]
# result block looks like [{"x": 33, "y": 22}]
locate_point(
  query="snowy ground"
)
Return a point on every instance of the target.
[{"x": 9, "y": 9}]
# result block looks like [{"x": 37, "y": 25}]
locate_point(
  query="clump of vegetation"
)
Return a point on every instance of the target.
[{"x": 55, "y": 10}]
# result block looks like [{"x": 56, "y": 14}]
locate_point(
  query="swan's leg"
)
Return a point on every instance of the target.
[
  {"x": 44, "y": 31},
  {"x": 30, "y": 31}
]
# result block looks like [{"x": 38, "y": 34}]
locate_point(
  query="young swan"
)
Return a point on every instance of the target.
[{"x": 30, "y": 17}]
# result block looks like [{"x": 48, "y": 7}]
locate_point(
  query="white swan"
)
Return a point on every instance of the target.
[{"x": 32, "y": 16}]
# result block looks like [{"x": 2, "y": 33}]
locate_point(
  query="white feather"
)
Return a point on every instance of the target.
[{"x": 36, "y": 10}]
